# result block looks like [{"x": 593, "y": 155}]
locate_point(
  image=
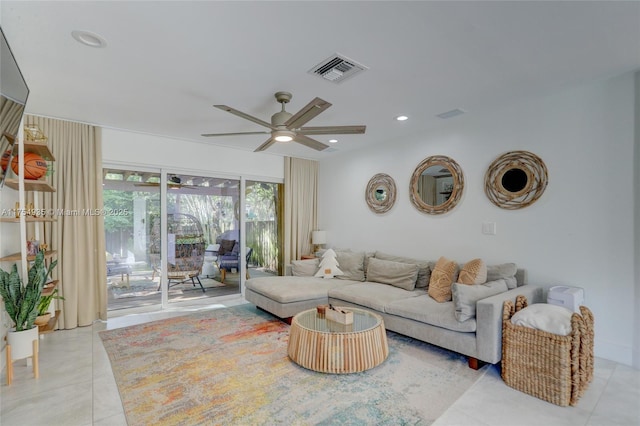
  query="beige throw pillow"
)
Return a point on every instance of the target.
[
  {"x": 473, "y": 272},
  {"x": 397, "y": 274},
  {"x": 441, "y": 280}
]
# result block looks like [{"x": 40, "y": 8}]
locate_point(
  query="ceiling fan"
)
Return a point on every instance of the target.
[{"x": 287, "y": 127}]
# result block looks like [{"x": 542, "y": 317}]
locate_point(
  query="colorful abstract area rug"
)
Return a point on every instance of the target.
[{"x": 230, "y": 367}]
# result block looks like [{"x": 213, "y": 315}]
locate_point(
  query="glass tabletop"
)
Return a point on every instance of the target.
[{"x": 362, "y": 321}]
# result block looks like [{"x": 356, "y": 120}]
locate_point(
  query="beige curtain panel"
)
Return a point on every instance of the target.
[
  {"x": 78, "y": 232},
  {"x": 427, "y": 189},
  {"x": 300, "y": 206}
]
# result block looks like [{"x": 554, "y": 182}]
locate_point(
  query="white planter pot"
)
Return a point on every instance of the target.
[{"x": 22, "y": 343}]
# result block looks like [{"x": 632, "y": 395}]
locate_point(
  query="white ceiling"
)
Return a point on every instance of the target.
[{"x": 167, "y": 63}]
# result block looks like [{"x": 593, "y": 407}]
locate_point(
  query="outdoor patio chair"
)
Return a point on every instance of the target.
[
  {"x": 115, "y": 266},
  {"x": 185, "y": 262},
  {"x": 229, "y": 261}
]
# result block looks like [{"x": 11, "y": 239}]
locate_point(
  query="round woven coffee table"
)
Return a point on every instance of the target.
[{"x": 327, "y": 346}]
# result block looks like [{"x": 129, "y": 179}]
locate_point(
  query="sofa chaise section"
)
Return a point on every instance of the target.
[{"x": 286, "y": 296}]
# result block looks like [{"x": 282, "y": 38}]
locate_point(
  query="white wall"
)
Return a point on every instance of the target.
[
  {"x": 125, "y": 147},
  {"x": 580, "y": 232}
]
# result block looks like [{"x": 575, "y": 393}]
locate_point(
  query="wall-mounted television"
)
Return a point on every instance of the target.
[{"x": 13, "y": 99}]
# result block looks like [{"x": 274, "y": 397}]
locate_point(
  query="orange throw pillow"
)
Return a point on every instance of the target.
[
  {"x": 441, "y": 280},
  {"x": 473, "y": 272}
]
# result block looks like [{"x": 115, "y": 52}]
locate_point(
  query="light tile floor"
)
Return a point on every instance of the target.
[{"x": 76, "y": 387}]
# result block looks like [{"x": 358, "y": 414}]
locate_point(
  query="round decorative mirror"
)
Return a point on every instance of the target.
[
  {"x": 436, "y": 185},
  {"x": 380, "y": 193},
  {"x": 515, "y": 180}
]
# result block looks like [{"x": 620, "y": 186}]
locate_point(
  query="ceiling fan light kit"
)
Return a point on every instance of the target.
[
  {"x": 286, "y": 127},
  {"x": 283, "y": 135}
]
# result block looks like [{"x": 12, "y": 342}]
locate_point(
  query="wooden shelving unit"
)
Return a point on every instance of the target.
[
  {"x": 40, "y": 147},
  {"x": 17, "y": 257},
  {"x": 28, "y": 219},
  {"x": 50, "y": 327},
  {"x": 49, "y": 287},
  {"x": 30, "y": 185}
]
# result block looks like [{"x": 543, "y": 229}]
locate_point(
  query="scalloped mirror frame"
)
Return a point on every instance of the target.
[
  {"x": 375, "y": 183},
  {"x": 526, "y": 162},
  {"x": 456, "y": 191}
]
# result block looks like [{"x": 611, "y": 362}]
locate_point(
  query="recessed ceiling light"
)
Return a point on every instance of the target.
[
  {"x": 333, "y": 140},
  {"x": 89, "y": 39},
  {"x": 402, "y": 118}
]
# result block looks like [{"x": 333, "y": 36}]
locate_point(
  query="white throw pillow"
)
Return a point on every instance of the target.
[
  {"x": 504, "y": 271},
  {"x": 542, "y": 316},
  {"x": 304, "y": 268},
  {"x": 328, "y": 267},
  {"x": 328, "y": 252},
  {"x": 465, "y": 296}
]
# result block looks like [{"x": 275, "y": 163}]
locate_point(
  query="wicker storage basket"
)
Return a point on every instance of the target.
[{"x": 551, "y": 367}]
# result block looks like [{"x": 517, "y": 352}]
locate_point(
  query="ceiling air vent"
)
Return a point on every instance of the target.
[
  {"x": 337, "y": 68},
  {"x": 451, "y": 114}
]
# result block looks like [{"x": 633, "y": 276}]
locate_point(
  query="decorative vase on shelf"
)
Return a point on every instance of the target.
[{"x": 43, "y": 319}]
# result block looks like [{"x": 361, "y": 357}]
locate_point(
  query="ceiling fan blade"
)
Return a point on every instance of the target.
[
  {"x": 265, "y": 145},
  {"x": 245, "y": 116},
  {"x": 308, "y": 112},
  {"x": 311, "y": 143},
  {"x": 208, "y": 135},
  {"x": 333, "y": 130}
]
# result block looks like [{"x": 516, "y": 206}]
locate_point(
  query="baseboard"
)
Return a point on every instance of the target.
[{"x": 622, "y": 354}]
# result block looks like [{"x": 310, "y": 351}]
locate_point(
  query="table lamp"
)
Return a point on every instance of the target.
[{"x": 318, "y": 238}]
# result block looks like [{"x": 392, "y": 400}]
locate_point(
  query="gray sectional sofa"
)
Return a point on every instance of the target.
[{"x": 470, "y": 324}]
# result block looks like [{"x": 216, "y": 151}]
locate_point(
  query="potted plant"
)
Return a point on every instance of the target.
[
  {"x": 43, "y": 307},
  {"x": 21, "y": 303}
]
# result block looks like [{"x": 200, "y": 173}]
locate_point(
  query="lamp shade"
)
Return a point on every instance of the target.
[{"x": 318, "y": 237}]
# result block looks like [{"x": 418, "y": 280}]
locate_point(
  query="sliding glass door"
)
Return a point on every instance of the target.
[
  {"x": 132, "y": 279},
  {"x": 214, "y": 237},
  {"x": 263, "y": 204},
  {"x": 203, "y": 236}
]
